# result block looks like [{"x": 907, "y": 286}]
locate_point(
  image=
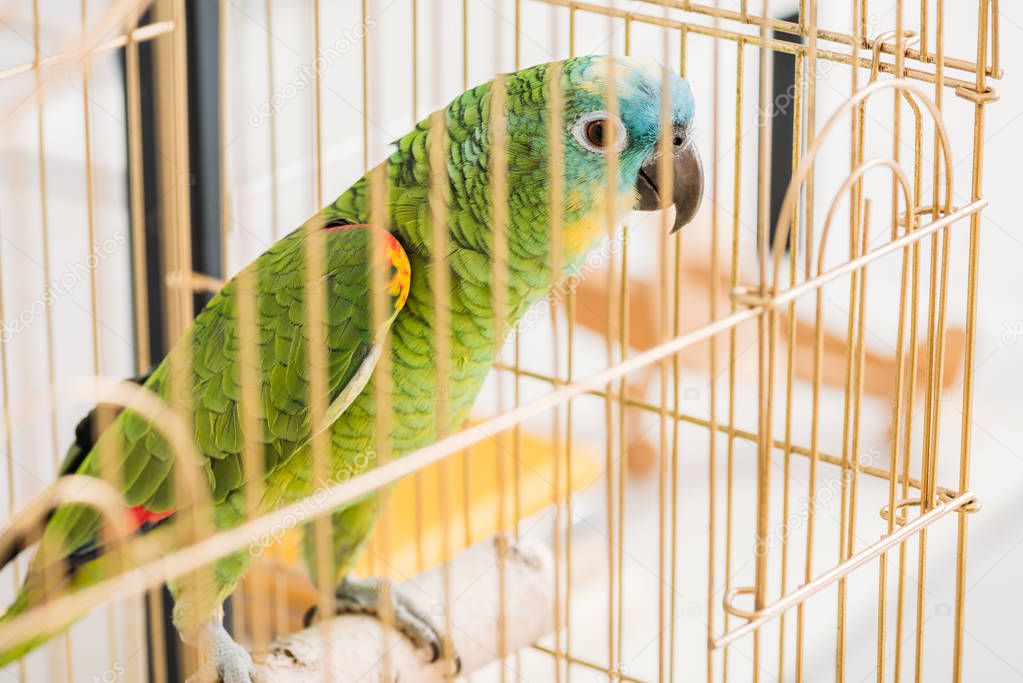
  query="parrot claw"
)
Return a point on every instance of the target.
[
  {"x": 362, "y": 596},
  {"x": 226, "y": 660}
]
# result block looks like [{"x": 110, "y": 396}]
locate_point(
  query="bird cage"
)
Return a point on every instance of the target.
[{"x": 741, "y": 451}]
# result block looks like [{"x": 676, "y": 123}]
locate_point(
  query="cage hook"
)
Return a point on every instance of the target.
[
  {"x": 749, "y": 296},
  {"x": 902, "y": 506},
  {"x": 985, "y": 96},
  {"x": 923, "y": 210},
  {"x": 909, "y": 38},
  {"x": 728, "y": 602}
]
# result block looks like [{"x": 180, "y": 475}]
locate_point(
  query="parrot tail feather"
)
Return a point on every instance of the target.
[
  {"x": 14, "y": 540},
  {"x": 12, "y": 652},
  {"x": 78, "y": 569}
]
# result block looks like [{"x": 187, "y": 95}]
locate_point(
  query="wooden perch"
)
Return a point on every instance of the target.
[{"x": 355, "y": 642}]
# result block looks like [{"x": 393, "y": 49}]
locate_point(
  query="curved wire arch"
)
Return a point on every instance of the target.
[
  {"x": 69, "y": 489},
  {"x": 130, "y": 396},
  {"x": 783, "y": 226},
  {"x": 856, "y": 174}
]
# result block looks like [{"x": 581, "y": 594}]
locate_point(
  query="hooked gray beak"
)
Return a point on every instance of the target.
[{"x": 687, "y": 182}]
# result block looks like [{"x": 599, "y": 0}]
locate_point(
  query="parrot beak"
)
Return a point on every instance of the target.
[{"x": 687, "y": 182}]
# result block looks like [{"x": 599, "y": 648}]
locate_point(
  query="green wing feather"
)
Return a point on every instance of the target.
[{"x": 144, "y": 457}]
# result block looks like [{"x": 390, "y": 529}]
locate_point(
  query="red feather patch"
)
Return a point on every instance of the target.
[{"x": 138, "y": 516}]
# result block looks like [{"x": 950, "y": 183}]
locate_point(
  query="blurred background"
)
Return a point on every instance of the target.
[{"x": 267, "y": 148}]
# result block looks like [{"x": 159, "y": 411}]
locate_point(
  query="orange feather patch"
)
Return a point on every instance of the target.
[{"x": 401, "y": 281}]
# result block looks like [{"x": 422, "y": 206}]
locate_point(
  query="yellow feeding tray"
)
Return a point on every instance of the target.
[{"x": 462, "y": 495}]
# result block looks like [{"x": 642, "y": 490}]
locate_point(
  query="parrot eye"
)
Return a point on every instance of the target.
[{"x": 593, "y": 132}]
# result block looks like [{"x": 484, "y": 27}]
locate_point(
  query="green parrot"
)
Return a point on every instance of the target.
[{"x": 404, "y": 248}]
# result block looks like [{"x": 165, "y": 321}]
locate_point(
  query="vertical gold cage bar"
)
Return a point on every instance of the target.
[{"x": 441, "y": 288}]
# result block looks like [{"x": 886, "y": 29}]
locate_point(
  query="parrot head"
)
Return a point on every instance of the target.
[
  {"x": 592, "y": 129},
  {"x": 609, "y": 106}
]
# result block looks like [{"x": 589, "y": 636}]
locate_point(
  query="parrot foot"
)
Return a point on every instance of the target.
[
  {"x": 362, "y": 596},
  {"x": 226, "y": 660}
]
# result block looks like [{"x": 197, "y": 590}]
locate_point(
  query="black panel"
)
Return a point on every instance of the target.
[
  {"x": 151, "y": 201},
  {"x": 204, "y": 136},
  {"x": 783, "y": 109},
  {"x": 202, "y": 46}
]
